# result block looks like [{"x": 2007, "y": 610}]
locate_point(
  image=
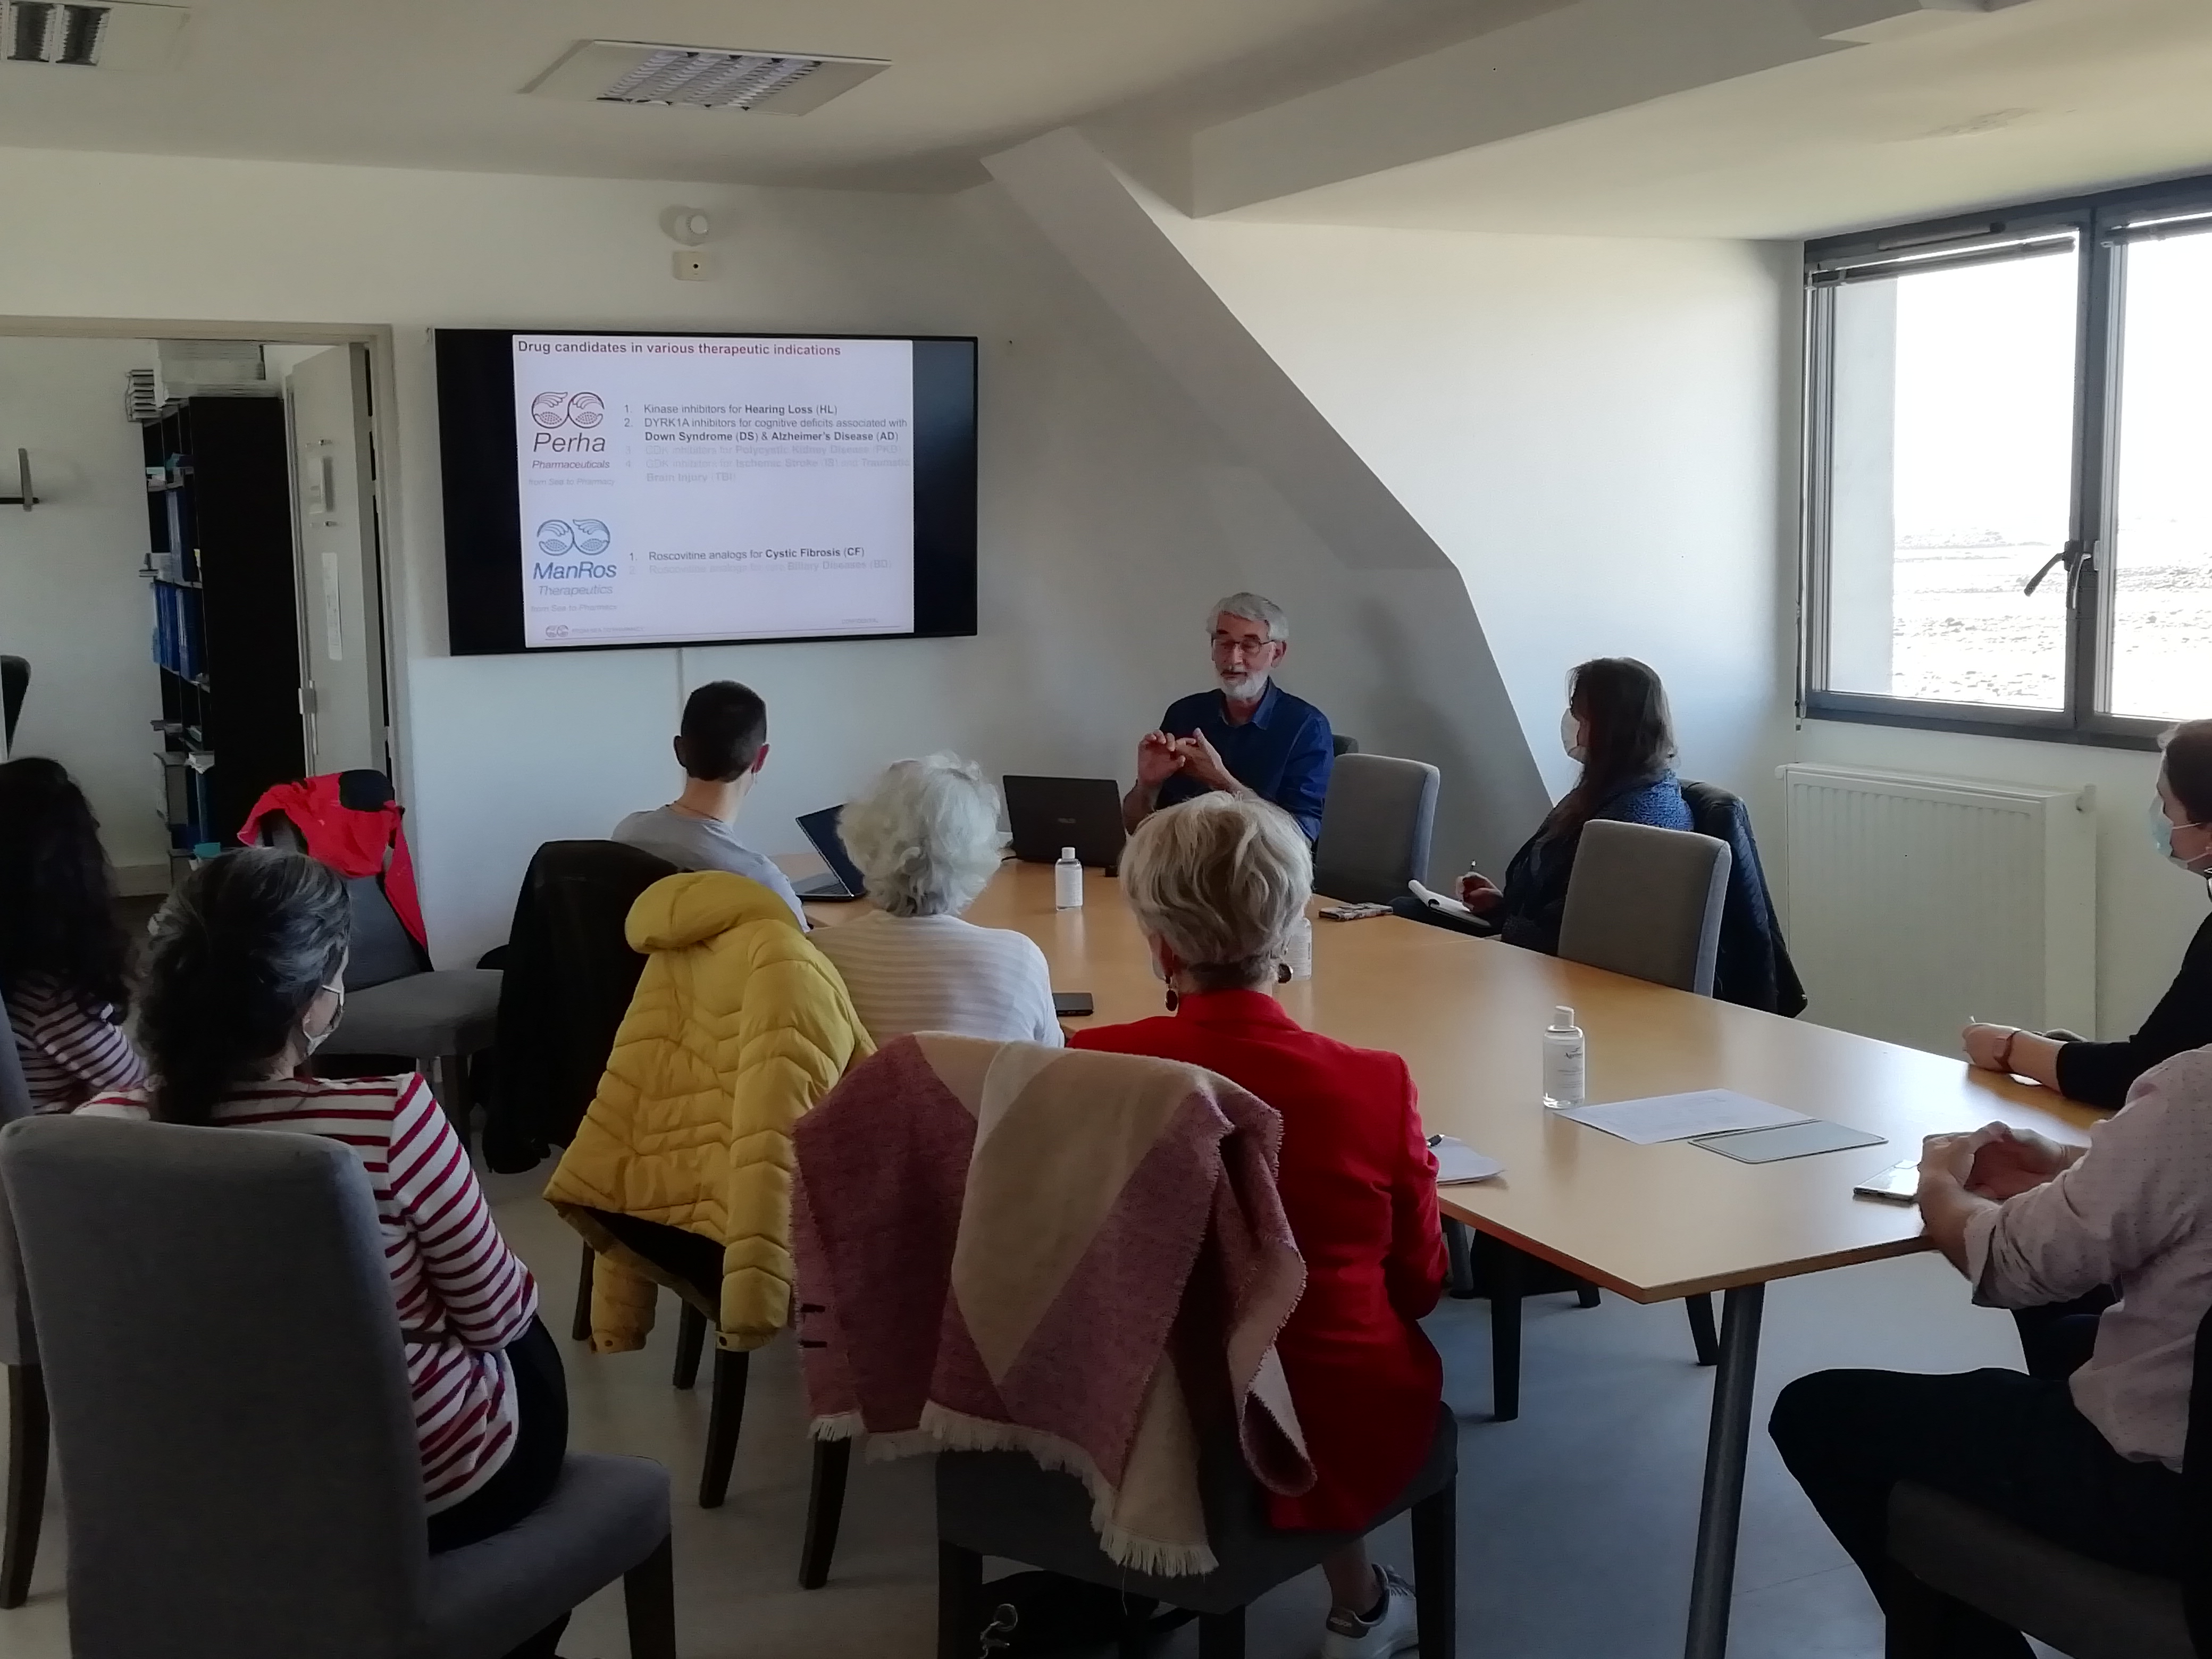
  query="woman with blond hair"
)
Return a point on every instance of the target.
[{"x": 1217, "y": 884}]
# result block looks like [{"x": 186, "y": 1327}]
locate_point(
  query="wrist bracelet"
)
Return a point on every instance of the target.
[{"x": 2004, "y": 1051}]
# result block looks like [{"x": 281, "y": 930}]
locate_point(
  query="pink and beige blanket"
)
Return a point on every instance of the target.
[{"x": 1081, "y": 1257}]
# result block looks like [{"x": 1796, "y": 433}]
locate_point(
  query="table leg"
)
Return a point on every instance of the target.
[{"x": 1712, "y": 1581}]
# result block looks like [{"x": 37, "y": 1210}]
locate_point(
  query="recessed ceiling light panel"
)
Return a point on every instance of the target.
[{"x": 702, "y": 77}]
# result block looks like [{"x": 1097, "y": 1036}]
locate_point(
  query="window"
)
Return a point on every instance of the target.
[{"x": 2008, "y": 498}]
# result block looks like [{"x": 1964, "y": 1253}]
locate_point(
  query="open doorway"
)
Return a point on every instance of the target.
[{"x": 194, "y": 598}]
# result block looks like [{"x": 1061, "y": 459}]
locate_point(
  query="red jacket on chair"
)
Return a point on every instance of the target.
[
  {"x": 350, "y": 822},
  {"x": 1360, "y": 1188}
]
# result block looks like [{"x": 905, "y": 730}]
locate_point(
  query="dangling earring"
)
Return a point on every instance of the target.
[
  {"x": 1282, "y": 973},
  {"x": 1172, "y": 998}
]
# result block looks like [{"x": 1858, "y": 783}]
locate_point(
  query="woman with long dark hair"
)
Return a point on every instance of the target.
[
  {"x": 64, "y": 960},
  {"x": 1618, "y": 726},
  {"x": 244, "y": 979}
]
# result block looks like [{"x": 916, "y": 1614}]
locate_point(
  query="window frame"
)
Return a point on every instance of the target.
[{"x": 2104, "y": 223}]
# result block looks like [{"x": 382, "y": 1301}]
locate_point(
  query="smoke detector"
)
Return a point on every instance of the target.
[
  {"x": 703, "y": 77},
  {"x": 63, "y": 35}
]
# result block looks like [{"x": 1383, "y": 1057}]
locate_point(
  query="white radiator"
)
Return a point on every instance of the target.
[{"x": 1917, "y": 903}]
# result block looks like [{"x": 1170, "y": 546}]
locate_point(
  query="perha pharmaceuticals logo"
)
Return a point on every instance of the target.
[
  {"x": 580, "y": 411},
  {"x": 580, "y": 408}
]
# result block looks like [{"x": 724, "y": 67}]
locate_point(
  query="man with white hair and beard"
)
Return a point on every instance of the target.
[{"x": 1249, "y": 738}]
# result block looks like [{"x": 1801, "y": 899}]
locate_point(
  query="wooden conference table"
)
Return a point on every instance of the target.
[{"x": 1652, "y": 1222}]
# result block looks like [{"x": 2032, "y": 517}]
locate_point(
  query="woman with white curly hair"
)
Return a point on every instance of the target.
[{"x": 926, "y": 836}]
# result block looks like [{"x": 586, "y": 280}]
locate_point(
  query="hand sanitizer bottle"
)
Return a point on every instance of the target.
[
  {"x": 1563, "y": 1061},
  {"x": 1068, "y": 882}
]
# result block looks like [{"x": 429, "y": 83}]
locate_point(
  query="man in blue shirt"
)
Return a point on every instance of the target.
[{"x": 1250, "y": 738}]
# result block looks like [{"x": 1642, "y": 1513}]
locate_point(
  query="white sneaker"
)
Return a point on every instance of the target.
[{"x": 1393, "y": 1630}]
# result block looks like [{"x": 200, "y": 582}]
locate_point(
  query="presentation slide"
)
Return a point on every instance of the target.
[{"x": 713, "y": 487}]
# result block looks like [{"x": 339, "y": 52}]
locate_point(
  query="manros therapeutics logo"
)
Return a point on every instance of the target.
[
  {"x": 580, "y": 411},
  {"x": 579, "y": 542}
]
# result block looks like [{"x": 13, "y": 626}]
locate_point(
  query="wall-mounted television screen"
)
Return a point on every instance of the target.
[{"x": 609, "y": 490}]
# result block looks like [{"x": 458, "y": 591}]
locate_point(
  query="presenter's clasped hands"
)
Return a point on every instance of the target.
[{"x": 1199, "y": 759}]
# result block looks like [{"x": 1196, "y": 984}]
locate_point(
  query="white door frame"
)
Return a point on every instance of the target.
[{"x": 390, "y": 561}]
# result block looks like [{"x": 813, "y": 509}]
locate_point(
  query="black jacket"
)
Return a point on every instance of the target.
[
  {"x": 1755, "y": 968},
  {"x": 2101, "y": 1073},
  {"x": 569, "y": 976}
]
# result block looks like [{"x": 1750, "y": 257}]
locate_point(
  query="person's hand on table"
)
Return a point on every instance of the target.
[
  {"x": 1159, "y": 758},
  {"x": 1202, "y": 760},
  {"x": 1478, "y": 893},
  {"x": 1948, "y": 1160},
  {"x": 1987, "y": 1046},
  {"x": 2012, "y": 1161}
]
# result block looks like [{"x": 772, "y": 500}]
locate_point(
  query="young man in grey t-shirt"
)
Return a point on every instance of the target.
[{"x": 721, "y": 747}]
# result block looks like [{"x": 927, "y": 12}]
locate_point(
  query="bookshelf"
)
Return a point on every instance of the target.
[{"x": 226, "y": 631}]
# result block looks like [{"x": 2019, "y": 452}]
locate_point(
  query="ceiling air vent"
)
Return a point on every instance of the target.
[
  {"x": 38, "y": 32},
  {"x": 703, "y": 77},
  {"x": 64, "y": 34}
]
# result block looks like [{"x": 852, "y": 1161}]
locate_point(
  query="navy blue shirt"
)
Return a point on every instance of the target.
[{"x": 1283, "y": 753}]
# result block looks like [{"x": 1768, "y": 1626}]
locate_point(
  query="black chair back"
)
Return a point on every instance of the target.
[
  {"x": 14, "y": 681},
  {"x": 568, "y": 975}
]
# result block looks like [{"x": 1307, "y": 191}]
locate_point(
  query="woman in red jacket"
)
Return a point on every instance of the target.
[{"x": 1215, "y": 885}]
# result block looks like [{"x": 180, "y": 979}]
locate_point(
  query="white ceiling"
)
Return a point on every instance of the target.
[
  {"x": 2031, "y": 99},
  {"x": 2038, "y": 100},
  {"x": 437, "y": 83}
]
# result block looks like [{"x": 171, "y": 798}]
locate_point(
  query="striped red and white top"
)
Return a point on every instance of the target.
[
  {"x": 462, "y": 1295},
  {"x": 70, "y": 1052}
]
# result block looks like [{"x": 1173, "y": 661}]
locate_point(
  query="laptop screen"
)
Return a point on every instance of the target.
[{"x": 820, "y": 829}]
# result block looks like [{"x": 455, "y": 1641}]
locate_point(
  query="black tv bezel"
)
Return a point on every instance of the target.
[{"x": 482, "y": 497}]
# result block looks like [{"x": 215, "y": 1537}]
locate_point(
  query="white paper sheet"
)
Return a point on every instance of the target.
[
  {"x": 1678, "y": 1117},
  {"x": 1458, "y": 1162}
]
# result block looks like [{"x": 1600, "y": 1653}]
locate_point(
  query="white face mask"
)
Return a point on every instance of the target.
[
  {"x": 2162, "y": 836},
  {"x": 1570, "y": 732},
  {"x": 315, "y": 1040}
]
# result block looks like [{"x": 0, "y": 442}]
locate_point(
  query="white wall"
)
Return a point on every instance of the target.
[
  {"x": 71, "y": 601},
  {"x": 1110, "y": 514},
  {"x": 1589, "y": 427}
]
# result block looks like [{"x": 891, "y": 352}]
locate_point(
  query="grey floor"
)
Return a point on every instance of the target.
[{"x": 1576, "y": 1521}]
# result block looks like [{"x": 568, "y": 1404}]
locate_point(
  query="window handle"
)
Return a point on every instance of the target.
[{"x": 2073, "y": 556}]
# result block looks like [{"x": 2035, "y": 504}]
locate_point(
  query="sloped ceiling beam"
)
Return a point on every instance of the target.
[{"x": 1578, "y": 61}]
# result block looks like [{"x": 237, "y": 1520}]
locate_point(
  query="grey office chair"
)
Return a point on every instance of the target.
[
  {"x": 1647, "y": 903},
  {"x": 1003, "y": 1504},
  {"x": 1375, "y": 829},
  {"x": 1641, "y": 901},
  {"x": 231, "y": 1413},
  {"x": 396, "y": 1005},
  {"x": 1944, "y": 1546},
  {"x": 19, "y": 1353}
]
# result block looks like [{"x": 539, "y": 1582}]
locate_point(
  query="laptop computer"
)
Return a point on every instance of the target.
[
  {"x": 843, "y": 880},
  {"x": 1047, "y": 814}
]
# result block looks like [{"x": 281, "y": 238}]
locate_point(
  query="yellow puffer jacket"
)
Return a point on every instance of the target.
[{"x": 739, "y": 1026}]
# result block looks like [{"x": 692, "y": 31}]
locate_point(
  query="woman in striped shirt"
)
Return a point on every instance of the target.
[
  {"x": 243, "y": 982},
  {"x": 63, "y": 958}
]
